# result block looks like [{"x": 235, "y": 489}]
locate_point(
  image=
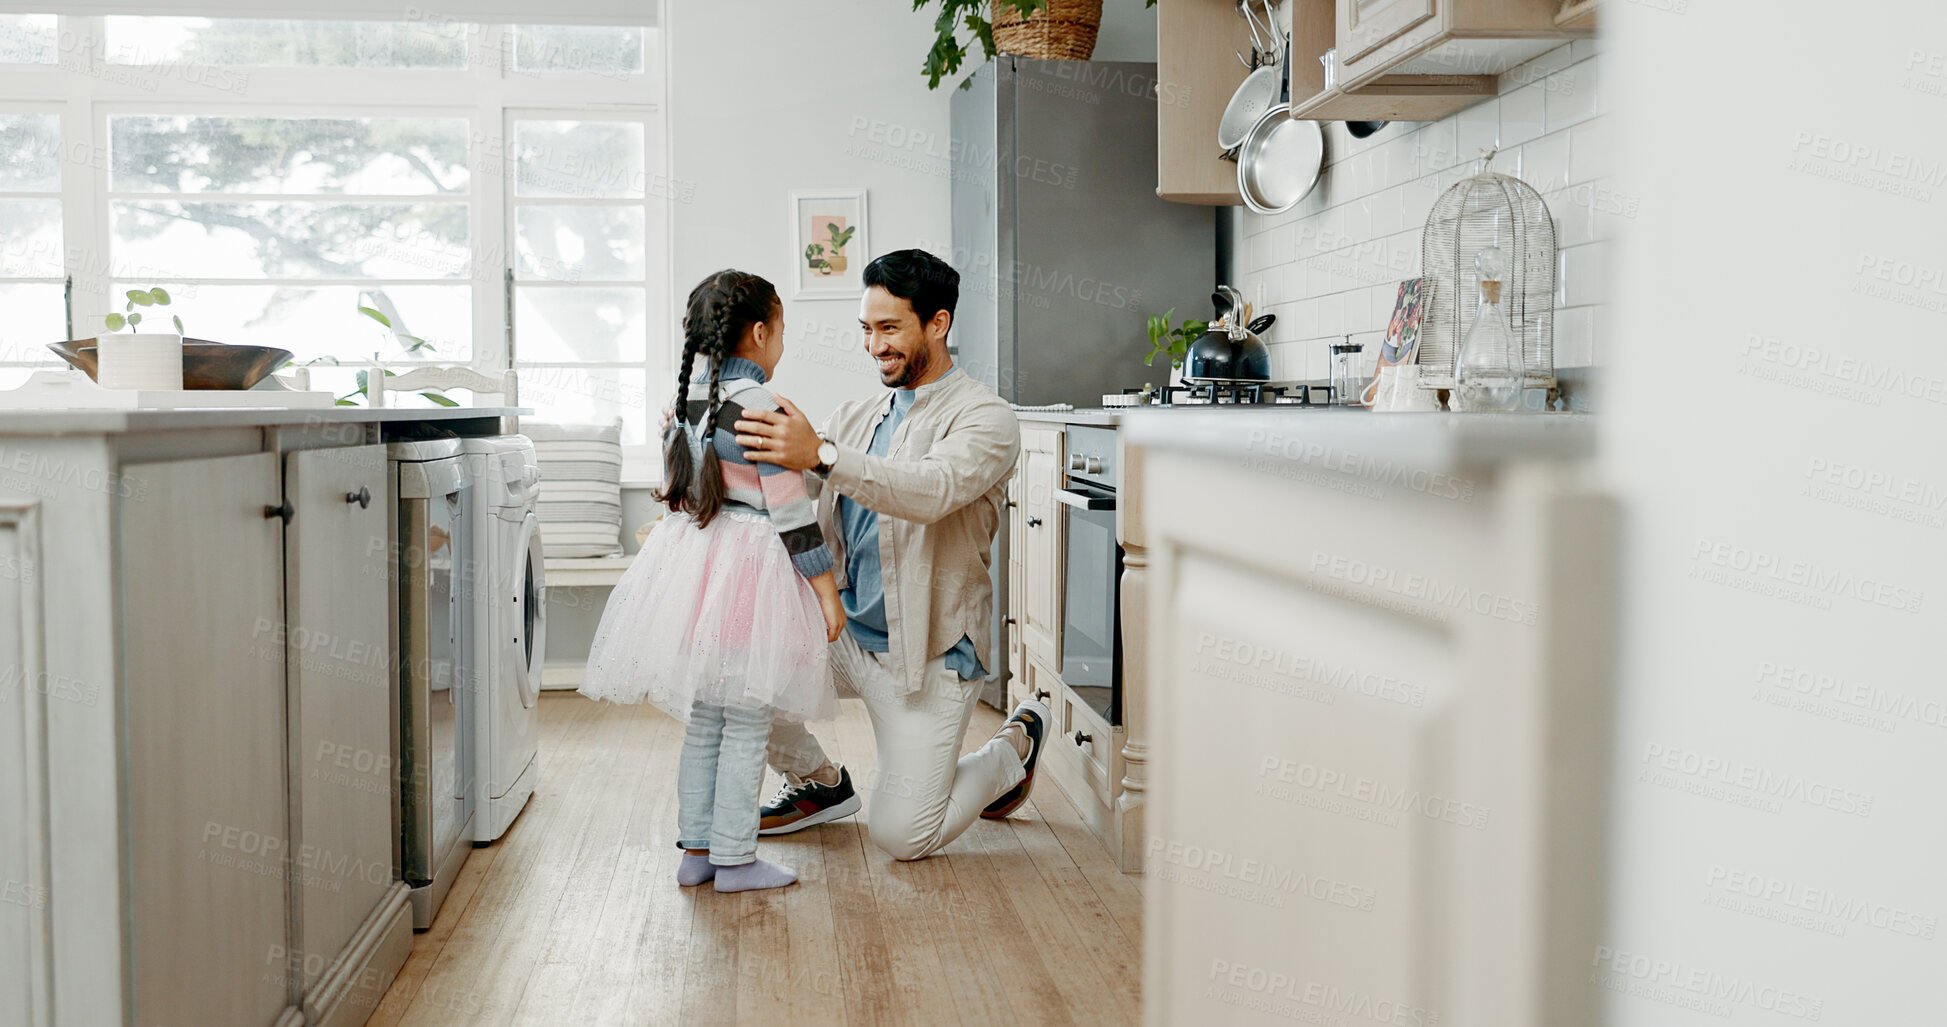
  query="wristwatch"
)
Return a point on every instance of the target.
[{"x": 827, "y": 456}]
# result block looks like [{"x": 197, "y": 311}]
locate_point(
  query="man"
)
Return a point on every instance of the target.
[{"x": 912, "y": 494}]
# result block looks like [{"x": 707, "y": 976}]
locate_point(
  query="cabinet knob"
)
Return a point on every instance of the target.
[
  {"x": 1043, "y": 696},
  {"x": 282, "y": 511},
  {"x": 1081, "y": 739},
  {"x": 1034, "y": 522},
  {"x": 363, "y": 497},
  {"x": 1075, "y": 462},
  {"x": 1009, "y": 620}
]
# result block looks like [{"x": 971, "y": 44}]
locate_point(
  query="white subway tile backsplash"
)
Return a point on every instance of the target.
[
  {"x": 1386, "y": 217},
  {"x": 1358, "y": 218},
  {"x": 1544, "y": 162},
  {"x": 1572, "y": 97},
  {"x": 1331, "y": 266},
  {"x": 1574, "y": 337},
  {"x": 1521, "y": 115},
  {"x": 1435, "y": 147},
  {"x": 1589, "y": 154},
  {"x": 1480, "y": 128},
  {"x": 1331, "y": 314}
]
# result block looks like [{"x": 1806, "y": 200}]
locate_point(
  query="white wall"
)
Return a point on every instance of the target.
[
  {"x": 1331, "y": 266},
  {"x": 1781, "y": 304},
  {"x": 766, "y": 97}
]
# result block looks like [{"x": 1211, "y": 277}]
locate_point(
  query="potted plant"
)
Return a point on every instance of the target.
[
  {"x": 814, "y": 257},
  {"x": 132, "y": 359},
  {"x": 1047, "y": 29},
  {"x": 1173, "y": 341},
  {"x": 836, "y": 262}
]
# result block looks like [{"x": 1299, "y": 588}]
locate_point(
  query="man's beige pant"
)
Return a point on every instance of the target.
[{"x": 924, "y": 793}]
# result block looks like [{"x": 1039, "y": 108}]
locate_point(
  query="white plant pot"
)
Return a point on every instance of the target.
[{"x": 139, "y": 360}]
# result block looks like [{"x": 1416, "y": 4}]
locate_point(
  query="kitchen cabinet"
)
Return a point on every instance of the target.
[
  {"x": 1377, "y": 729},
  {"x": 1196, "y": 73},
  {"x": 201, "y": 602},
  {"x": 1415, "y": 60},
  {"x": 1041, "y": 542},
  {"x": 337, "y": 562},
  {"x": 1098, "y": 765},
  {"x": 196, "y": 727}
]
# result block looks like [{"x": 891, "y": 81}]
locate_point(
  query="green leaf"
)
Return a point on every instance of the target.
[
  {"x": 345, "y": 401},
  {"x": 134, "y": 319},
  {"x": 374, "y": 315},
  {"x": 141, "y": 298},
  {"x": 179, "y": 323},
  {"x": 439, "y": 399},
  {"x": 360, "y": 378},
  {"x": 116, "y": 322}
]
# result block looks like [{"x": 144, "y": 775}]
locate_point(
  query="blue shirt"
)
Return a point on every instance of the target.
[{"x": 864, "y": 594}]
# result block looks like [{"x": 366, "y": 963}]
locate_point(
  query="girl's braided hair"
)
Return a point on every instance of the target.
[{"x": 721, "y": 309}]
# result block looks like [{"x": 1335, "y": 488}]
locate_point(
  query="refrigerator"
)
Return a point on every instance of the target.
[{"x": 1063, "y": 247}]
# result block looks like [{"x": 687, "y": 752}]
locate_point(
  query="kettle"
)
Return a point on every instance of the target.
[{"x": 1229, "y": 351}]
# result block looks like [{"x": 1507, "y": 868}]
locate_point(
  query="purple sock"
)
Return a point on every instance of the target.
[
  {"x": 754, "y": 875},
  {"x": 694, "y": 870}
]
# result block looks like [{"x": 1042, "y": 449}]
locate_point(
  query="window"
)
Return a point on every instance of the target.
[
  {"x": 32, "y": 279},
  {"x": 279, "y": 175}
]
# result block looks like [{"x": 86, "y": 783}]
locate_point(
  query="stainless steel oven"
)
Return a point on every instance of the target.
[{"x": 1091, "y": 615}]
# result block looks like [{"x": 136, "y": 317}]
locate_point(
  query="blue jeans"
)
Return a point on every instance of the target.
[{"x": 717, "y": 784}]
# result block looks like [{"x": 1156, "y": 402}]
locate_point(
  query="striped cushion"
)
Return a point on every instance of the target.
[{"x": 581, "y": 487}]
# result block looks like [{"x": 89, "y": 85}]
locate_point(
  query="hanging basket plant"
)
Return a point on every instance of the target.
[{"x": 1046, "y": 29}]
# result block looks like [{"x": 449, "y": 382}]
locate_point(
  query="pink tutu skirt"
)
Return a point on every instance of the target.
[{"x": 715, "y": 615}]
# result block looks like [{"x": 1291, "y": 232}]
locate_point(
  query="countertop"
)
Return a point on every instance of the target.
[
  {"x": 79, "y": 421},
  {"x": 1099, "y": 416},
  {"x": 1354, "y": 440}
]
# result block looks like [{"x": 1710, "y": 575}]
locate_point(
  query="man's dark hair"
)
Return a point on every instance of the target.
[{"x": 920, "y": 278}]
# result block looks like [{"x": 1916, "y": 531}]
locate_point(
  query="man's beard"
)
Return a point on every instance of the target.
[{"x": 911, "y": 369}]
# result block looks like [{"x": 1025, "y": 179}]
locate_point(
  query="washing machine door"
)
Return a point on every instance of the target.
[{"x": 530, "y": 635}]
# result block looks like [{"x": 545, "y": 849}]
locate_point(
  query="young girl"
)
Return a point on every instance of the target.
[{"x": 723, "y": 618}]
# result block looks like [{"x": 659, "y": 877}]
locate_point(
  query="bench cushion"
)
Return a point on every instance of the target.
[{"x": 580, "y": 507}]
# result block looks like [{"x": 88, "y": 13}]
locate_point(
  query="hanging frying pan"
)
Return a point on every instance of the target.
[{"x": 1278, "y": 162}]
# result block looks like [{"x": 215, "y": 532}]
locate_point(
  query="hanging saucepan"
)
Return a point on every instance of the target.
[{"x": 1278, "y": 162}]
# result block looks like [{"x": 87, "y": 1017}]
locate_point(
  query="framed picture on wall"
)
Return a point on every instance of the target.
[{"x": 828, "y": 245}]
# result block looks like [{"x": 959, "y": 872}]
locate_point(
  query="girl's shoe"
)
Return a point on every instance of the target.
[
  {"x": 1032, "y": 715},
  {"x": 808, "y": 804}
]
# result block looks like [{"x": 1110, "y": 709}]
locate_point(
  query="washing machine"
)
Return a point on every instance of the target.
[{"x": 509, "y": 593}]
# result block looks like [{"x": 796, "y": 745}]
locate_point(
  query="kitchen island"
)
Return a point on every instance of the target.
[
  {"x": 198, "y": 783},
  {"x": 1378, "y": 654}
]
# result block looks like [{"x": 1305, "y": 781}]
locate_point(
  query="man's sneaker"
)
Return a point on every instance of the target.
[
  {"x": 808, "y": 804},
  {"x": 1032, "y": 715}
]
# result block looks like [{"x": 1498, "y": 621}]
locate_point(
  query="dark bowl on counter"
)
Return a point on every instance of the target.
[{"x": 206, "y": 364}]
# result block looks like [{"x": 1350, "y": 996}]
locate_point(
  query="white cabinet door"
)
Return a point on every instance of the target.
[
  {"x": 335, "y": 555},
  {"x": 1041, "y": 627},
  {"x": 1375, "y": 750},
  {"x": 201, "y": 612}
]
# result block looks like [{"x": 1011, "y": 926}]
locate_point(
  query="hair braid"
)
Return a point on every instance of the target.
[{"x": 721, "y": 309}]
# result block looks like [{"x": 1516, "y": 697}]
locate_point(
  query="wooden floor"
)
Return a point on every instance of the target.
[{"x": 575, "y": 916}]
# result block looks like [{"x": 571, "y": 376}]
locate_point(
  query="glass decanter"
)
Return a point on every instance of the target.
[{"x": 1489, "y": 374}]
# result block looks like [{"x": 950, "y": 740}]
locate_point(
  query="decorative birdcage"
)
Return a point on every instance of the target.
[{"x": 1488, "y": 209}]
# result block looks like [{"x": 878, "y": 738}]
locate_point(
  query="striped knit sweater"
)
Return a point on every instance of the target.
[{"x": 775, "y": 492}]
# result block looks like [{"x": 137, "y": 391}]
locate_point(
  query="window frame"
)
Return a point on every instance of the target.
[{"x": 85, "y": 88}]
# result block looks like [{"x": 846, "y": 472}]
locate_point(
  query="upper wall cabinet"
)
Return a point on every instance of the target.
[
  {"x": 1417, "y": 60},
  {"x": 1197, "y": 70},
  {"x": 1392, "y": 60}
]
